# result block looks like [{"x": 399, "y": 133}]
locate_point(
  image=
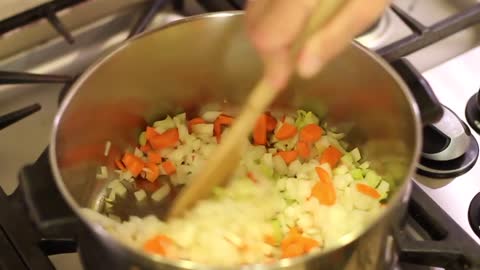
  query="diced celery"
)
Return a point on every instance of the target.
[
  {"x": 180, "y": 121},
  {"x": 277, "y": 230},
  {"x": 305, "y": 118},
  {"x": 355, "y": 154},
  {"x": 347, "y": 160},
  {"x": 356, "y": 174},
  {"x": 163, "y": 125},
  {"x": 364, "y": 165},
  {"x": 372, "y": 178},
  {"x": 383, "y": 188},
  {"x": 266, "y": 170},
  {"x": 142, "y": 138}
]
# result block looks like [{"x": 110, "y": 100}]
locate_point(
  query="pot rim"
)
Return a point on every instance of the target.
[{"x": 402, "y": 195}]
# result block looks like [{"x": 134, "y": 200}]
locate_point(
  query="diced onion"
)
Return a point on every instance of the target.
[
  {"x": 161, "y": 193},
  {"x": 108, "y": 144},
  {"x": 140, "y": 195}
]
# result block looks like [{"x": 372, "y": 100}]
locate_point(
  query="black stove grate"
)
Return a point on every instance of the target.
[
  {"x": 424, "y": 36},
  {"x": 47, "y": 10}
]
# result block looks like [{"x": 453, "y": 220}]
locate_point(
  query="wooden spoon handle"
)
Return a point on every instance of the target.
[{"x": 226, "y": 157}]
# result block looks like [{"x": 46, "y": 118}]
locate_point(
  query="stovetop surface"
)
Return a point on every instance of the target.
[{"x": 454, "y": 81}]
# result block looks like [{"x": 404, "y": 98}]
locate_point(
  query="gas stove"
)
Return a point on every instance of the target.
[{"x": 445, "y": 208}]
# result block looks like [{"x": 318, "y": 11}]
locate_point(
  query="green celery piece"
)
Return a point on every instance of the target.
[
  {"x": 372, "y": 178},
  {"x": 356, "y": 174},
  {"x": 142, "y": 138}
]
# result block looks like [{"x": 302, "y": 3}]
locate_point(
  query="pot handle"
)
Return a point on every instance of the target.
[
  {"x": 47, "y": 209},
  {"x": 430, "y": 108},
  {"x": 448, "y": 245}
]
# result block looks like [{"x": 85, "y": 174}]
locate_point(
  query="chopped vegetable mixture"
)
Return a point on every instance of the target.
[{"x": 297, "y": 189}]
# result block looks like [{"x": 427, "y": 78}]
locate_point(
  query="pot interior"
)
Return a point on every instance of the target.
[{"x": 208, "y": 60}]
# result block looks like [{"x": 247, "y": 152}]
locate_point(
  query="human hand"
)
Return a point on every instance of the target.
[{"x": 274, "y": 24}]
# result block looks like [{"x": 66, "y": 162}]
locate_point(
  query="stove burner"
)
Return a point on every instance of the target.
[
  {"x": 449, "y": 149},
  {"x": 474, "y": 214},
  {"x": 472, "y": 112}
]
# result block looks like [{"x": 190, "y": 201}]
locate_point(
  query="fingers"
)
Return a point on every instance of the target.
[
  {"x": 274, "y": 24},
  {"x": 328, "y": 42},
  {"x": 277, "y": 66}
]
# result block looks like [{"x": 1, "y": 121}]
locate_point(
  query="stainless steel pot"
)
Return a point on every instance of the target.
[{"x": 207, "y": 59}]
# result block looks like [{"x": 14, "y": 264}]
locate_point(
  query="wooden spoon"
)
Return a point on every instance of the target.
[{"x": 228, "y": 154}]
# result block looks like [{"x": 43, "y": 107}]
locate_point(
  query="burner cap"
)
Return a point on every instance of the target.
[
  {"x": 450, "y": 168},
  {"x": 449, "y": 149},
  {"x": 474, "y": 214},
  {"x": 472, "y": 112}
]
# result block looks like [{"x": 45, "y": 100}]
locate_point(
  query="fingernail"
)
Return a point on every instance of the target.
[{"x": 308, "y": 66}]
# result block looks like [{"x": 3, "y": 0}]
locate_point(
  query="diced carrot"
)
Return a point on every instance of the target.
[
  {"x": 153, "y": 171},
  {"x": 331, "y": 155},
  {"x": 288, "y": 156},
  {"x": 150, "y": 133},
  {"x": 145, "y": 148},
  {"x": 169, "y": 167},
  {"x": 286, "y": 131},
  {"x": 271, "y": 122},
  {"x": 323, "y": 175},
  {"x": 167, "y": 139},
  {"x": 270, "y": 260},
  {"x": 252, "y": 177},
  {"x": 324, "y": 190},
  {"x": 303, "y": 149},
  {"x": 260, "y": 131},
  {"x": 308, "y": 243},
  {"x": 368, "y": 190},
  {"x": 311, "y": 133},
  {"x": 270, "y": 240},
  {"x": 158, "y": 244},
  {"x": 292, "y": 236},
  {"x": 136, "y": 168},
  {"x": 133, "y": 164},
  {"x": 128, "y": 158},
  {"x": 222, "y": 120},
  {"x": 195, "y": 121},
  {"x": 120, "y": 165},
  {"x": 154, "y": 157},
  {"x": 293, "y": 250}
]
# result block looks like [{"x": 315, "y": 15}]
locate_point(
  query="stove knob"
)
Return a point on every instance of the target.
[
  {"x": 478, "y": 100},
  {"x": 447, "y": 139},
  {"x": 472, "y": 112}
]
